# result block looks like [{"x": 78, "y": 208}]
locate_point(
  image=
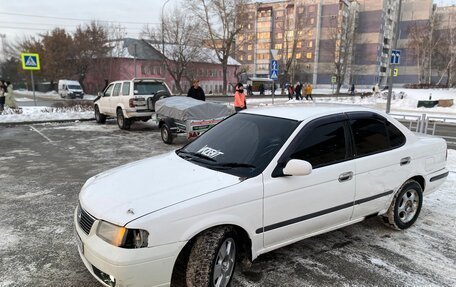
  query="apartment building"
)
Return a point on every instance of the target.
[{"x": 319, "y": 39}]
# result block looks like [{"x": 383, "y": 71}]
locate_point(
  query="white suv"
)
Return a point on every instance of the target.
[{"x": 129, "y": 101}]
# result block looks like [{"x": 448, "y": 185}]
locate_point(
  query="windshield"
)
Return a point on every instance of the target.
[
  {"x": 242, "y": 145},
  {"x": 149, "y": 88},
  {"x": 74, "y": 87}
]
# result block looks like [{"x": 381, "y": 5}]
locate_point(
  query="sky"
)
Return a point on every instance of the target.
[{"x": 20, "y": 18}]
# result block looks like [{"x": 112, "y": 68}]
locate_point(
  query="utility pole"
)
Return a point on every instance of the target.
[{"x": 393, "y": 66}]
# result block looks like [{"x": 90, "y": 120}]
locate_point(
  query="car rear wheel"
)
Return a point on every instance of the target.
[
  {"x": 99, "y": 117},
  {"x": 405, "y": 207},
  {"x": 166, "y": 134},
  {"x": 122, "y": 122},
  {"x": 213, "y": 258}
]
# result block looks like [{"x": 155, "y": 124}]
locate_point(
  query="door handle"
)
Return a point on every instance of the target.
[
  {"x": 346, "y": 176},
  {"x": 405, "y": 160}
]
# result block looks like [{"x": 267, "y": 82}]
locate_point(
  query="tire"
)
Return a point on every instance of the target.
[
  {"x": 122, "y": 122},
  {"x": 213, "y": 258},
  {"x": 166, "y": 134},
  {"x": 405, "y": 207},
  {"x": 99, "y": 117}
]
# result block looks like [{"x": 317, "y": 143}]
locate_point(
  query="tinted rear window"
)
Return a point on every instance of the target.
[{"x": 149, "y": 88}]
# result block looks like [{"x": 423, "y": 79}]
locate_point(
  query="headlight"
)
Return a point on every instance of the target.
[{"x": 121, "y": 236}]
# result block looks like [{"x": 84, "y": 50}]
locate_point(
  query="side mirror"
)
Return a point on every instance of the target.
[
  {"x": 297, "y": 167},
  {"x": 100, "y": 94}
]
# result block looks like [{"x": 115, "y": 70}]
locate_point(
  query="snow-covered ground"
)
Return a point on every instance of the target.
[{"x": 406, "y": 104}]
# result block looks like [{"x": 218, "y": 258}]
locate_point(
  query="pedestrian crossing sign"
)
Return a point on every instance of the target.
[{"x": 30, "y": 61}]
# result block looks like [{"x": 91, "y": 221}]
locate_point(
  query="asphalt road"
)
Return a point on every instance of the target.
[{"x": 43, "y": 167}]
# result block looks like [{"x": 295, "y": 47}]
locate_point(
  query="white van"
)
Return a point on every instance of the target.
[{"x": 71, "y": 89}]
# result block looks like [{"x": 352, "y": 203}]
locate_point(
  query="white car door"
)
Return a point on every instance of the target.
[
  {"x": 104, "y": 102},
  {"x": 114, "y": 100},
  {"x": 382, "y": 166},
  {"x": 298, "y": 206}
]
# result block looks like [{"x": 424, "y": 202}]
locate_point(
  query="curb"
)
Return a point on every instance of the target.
[{"x": 43, "y": 122}]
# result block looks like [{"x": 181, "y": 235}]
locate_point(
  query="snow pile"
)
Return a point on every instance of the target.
[{"x": 37, "y": 114}]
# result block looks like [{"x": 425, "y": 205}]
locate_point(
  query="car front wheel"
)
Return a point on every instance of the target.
[
  {"x": 99, "y": 117},
  {"x": 122, "y": 122},
  {"x": 212, "y": 258},
  {"x": 405, "y": 207}
]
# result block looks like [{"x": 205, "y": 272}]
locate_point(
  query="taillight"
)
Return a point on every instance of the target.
[{"x": 137, "y": 102}]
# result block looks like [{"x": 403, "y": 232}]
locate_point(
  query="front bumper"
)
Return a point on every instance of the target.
[{"x": 151, "y": 266}]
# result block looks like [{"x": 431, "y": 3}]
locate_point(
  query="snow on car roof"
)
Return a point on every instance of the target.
[{"x": 303, "y": 112}]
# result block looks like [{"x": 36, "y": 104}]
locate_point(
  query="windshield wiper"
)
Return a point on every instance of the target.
[
  {"x": 234, "y": 165},
  {"x": 195, "y": 154}
]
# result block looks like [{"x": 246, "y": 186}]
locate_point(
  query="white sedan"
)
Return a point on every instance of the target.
[{"x": 259, "y": 180}]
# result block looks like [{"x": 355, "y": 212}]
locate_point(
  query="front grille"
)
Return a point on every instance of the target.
[{"x": 85, "y": 220}]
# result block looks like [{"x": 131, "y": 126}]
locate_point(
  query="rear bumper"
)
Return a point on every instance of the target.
[
  {"x": 133, "y": 113},
  {"x": 434, "y": 180},
  {"x": 150, "y": 266}
]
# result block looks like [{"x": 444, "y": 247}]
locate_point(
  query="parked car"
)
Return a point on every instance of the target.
[
  {"x": 129, "y": 101},
  {"x": 70, "y": 89},
  {"x": 259, "y": 180}
]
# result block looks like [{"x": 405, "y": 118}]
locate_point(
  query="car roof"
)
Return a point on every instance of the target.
[{"x": 301, "y": 112}]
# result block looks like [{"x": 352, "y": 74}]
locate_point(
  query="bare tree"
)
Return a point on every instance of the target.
[
  {"x": 445, "y": 53},
  {"x": 182, "y": 36},
  {"x": 341, "y": 35},
  {"x": 221, "y": 23}
]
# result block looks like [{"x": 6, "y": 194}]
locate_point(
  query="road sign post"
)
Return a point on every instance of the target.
[
  {"x": 333, "y": 81},
  {"x": 31, "y": 61},
  {"x": 394, "y": 60},
  {"x": 274, "y": 75}
]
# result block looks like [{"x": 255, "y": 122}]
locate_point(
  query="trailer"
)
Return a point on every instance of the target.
[{"x": 184, "y": 116}]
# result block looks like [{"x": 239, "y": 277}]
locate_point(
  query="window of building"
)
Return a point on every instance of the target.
[
  {"x": 279, "y": 36},
  {"x": 279, "y": 13},
  {"x": 264, "y": 13},
  {"x": 241, "y": 38},
  {"x": 310, "y": 33},
  {"x": 311, "y": 9},
  {"x": 310, "y": 44},
  {"x": 263, "y": 35},
  {"x": 264, "y": 46},
  {"x": 298, "y": 55},
  {"x": 279, "y": 25},
  {"x": 309, "y": 55},
  {"x": 278, "y": 46},
  {"x": 241, "y": 47},
  {"x": 290, "y": 34},
  {"x": 250, "y": 47},
  {"x": 279, "y": 57},
  {"x": 265, "y": 24},
  {"x": 300, "y": 10},
  {"x": 263, "y": 56},
  {"x": 241, "y": 57},
  {"x": 249, "y": 57},
  {"x": 299, "y": 45},
  {"x": 312, "y": 21},
  {"x": 262, "y": 67}
]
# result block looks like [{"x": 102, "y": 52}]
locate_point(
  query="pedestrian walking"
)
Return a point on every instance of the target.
[
  {"x": 308, "y": 89},
  {"x": 261, "y": 90},
  {"x": 290, "y": 92},
  {"x": 9, "y": 97},
  {"x": 240, "y": 102},
  {"x": 352, "y": 90},
  {"x": 196, "y": 91},
  {"x": 297, "y": 91},
  {"x": 2, "y": 95}
]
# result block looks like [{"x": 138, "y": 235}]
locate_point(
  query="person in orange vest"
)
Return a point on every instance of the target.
[
  {"x": 239, "y": 98},
  {"x": 309, "y": 91}
]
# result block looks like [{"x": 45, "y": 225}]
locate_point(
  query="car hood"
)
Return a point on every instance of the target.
[{"x": 125, "y": 193}]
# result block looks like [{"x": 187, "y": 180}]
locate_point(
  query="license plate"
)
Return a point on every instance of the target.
[{"x": 79, "y": 242}]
